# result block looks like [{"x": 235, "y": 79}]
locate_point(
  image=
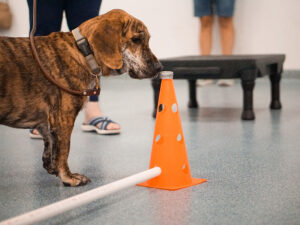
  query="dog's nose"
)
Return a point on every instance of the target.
[{"x": 158, "y": 67}]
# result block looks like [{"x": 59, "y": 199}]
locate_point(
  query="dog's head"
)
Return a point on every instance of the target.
[{"x": 120, "y": 44}]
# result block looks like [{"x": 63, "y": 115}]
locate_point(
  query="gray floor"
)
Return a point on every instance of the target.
[{"x": 252, "y": 168}]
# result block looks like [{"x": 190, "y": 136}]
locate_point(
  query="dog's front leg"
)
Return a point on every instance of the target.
[
  {"x": 61, "y": 134},
  {"x": 68, "y": 178}
]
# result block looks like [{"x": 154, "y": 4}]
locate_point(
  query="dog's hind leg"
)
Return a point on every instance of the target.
[{"x": 50, "y": 149}]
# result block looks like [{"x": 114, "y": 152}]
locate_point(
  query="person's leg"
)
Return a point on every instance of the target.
[
  {"x": 206, "y": 34},
  {"x": 77, "y": 12},
  {"x": 227, "y": 34},
  {"x": 203, "y": 10},
  {"x": 225, "y": 9},
  {"x": 49, "y": 16},
  {"x": 206, "y": 23}
]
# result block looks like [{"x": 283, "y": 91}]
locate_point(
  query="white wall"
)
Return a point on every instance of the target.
[{"x": 262, "y": 26}]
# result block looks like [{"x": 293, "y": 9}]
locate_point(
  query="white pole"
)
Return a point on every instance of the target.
[{"x": 81, "y": 199}]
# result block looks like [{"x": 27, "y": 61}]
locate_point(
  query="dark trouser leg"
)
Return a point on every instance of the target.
[
  {"x": 156, "y": 88},
  {"x": 49, "y": 16},
  {"x": 275, "y": 90},
  {"x": 192, "y": 94},
  {"x": 79, "y": 11}
]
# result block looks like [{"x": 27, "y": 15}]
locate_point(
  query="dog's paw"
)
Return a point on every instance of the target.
[{"x": 75, "y": 179}]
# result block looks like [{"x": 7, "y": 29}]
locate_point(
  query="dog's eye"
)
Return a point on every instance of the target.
[{"x": 136, "y": 40}]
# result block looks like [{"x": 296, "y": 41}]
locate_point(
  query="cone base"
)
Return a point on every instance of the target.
[{"x": 195, "y": 181}]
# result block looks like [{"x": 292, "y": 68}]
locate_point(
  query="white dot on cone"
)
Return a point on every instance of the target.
[
  {"x": 157, "y": 138},
  {"x": 179, "y": 137}
]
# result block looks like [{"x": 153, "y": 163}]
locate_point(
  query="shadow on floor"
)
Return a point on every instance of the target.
[{"x": 215, "y": 114}]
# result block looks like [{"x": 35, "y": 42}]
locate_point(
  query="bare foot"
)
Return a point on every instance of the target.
[
  {"x": 202, "y": 83},
  {"x": 35, "y": 134}
]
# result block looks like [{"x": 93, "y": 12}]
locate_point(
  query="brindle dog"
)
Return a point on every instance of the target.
[{"x": 120, "y": 44}]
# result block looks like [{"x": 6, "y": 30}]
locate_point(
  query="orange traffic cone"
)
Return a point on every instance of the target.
[{"x": 168, "y": 149}]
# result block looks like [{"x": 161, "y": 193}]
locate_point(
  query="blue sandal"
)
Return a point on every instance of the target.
[{"x": 102, "y": 129}]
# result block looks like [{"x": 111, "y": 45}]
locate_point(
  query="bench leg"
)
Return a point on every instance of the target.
[
  {"x": 156, "y": 88},
  {"x": 248, "y": 113},
  {"x": 275, "y": 90},
  {"x": 192, "y": 94}
]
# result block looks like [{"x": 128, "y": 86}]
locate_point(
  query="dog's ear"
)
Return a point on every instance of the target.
[{"x": 105, "y": 40}]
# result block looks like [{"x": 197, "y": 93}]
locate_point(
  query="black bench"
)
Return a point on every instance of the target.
[{"x": 245, "y": 67}]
